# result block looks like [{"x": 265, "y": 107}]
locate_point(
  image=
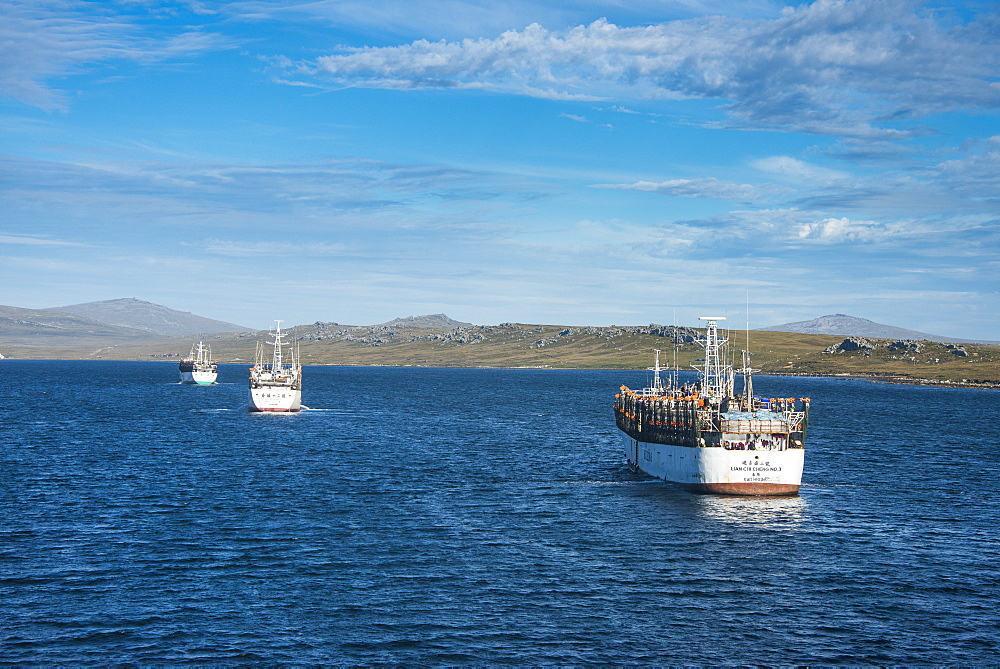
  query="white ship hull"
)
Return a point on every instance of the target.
[
  {"x": 276, "y": 381},
  {"x": 199, "y": 369},
  {"x": 275, "y": 398},
  {"x": 199, "y": 378},
  {"x": 717, "y": 470}
]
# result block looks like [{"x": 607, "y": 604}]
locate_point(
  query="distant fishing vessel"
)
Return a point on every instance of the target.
[
  {"x": 709, "y": 439},
  {"x": 199, "y": 368},
  {"x": 276, "y": 381}
]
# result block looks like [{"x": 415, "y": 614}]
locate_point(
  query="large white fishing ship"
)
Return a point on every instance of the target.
[
  {"x": 199, "y": 368},
  {"x": 276, "y": 378},
  {"x": 710, "y": 439}
]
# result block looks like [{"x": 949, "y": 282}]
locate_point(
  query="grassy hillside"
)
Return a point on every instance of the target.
[{"x": 556, "y": 346}]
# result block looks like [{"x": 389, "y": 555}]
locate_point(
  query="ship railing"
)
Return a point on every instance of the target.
[
  {"x": 708, "y": 420},
  {"x": 650, "y": 394},
  {"x": 779, "y": 404},
  {"x": 795, "y": 419},
  {"x": 759, "y": 444},
  {"x": 754, "y": 426}
]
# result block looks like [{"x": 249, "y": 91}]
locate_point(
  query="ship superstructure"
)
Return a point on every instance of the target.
[
  {"x": 276, "y": 377},
  {"x": 199, "y": 368},
  {"x": 706, "y": 437}
]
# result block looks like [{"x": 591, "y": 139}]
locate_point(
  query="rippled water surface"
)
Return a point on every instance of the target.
[{"x": 449, "y": 516}]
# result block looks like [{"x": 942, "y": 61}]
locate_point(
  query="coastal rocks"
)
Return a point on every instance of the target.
[{"x": 902, "y": 356}]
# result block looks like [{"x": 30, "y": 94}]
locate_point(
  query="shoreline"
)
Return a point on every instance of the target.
[{"x": 874, "y": 377}]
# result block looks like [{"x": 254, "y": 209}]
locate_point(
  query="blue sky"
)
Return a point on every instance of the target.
[{"x": 579, "y": 163}]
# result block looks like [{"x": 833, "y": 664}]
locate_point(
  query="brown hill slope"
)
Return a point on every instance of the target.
[{"x": 627, "y": 347}]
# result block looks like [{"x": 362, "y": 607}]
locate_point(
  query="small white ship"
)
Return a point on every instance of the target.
[
  {"x": 199, "y": 368},
  {"x": 276, "y": 381},
  {"x": 709, "y": 439}
]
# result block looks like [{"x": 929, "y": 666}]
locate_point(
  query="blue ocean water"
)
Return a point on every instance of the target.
[{"x": 457, "y": 516}]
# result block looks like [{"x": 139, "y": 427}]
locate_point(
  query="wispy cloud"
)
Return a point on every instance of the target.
[
  {"x": 787, "y": 232},
  {"x": 584, "y": 119},
  {"x": 323, "y": 189},
  {"x": 852, "y": 69},
  {"x": 30, "y": 240},
  {"x": 708, "y": 187},
  {"x": 48, "y": 39},
  {"x": 799, "y": 171},
  {"x": 275, "y": 249},
  {"x": 440, "y": 18}
]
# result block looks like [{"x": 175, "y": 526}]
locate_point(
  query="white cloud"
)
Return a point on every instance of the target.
[
  {"x": 836, "y": 230},
  {"x": 830, "y": 67}
]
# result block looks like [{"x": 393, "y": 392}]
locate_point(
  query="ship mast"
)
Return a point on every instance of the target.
[
  {"x": 657, "y": 381},
  {"x": 747, "y": 372},
  {"x": 717, "y": 378},
  {"x": 276, "y": 358}
]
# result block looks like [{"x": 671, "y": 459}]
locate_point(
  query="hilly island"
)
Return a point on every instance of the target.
[{"x": 143, "y": 331}]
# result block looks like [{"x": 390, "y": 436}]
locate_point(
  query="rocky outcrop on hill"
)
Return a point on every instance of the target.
[
  {"x": 459, "y": 336},
  {"x": 905, "y": 345},
  {"x": 408, "y": 330},
  {"x": 427, "y": 322},
  {"x": 677, "y": 334},
  {"x": 916, "y": 352},
  {"x": 850, "y": 344}
]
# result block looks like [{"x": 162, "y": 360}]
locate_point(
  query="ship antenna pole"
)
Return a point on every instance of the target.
[
  {"x": 748, "y": 374},
  {"x": 748, "y": 321},
  {"x": 673, "y": 377}
]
